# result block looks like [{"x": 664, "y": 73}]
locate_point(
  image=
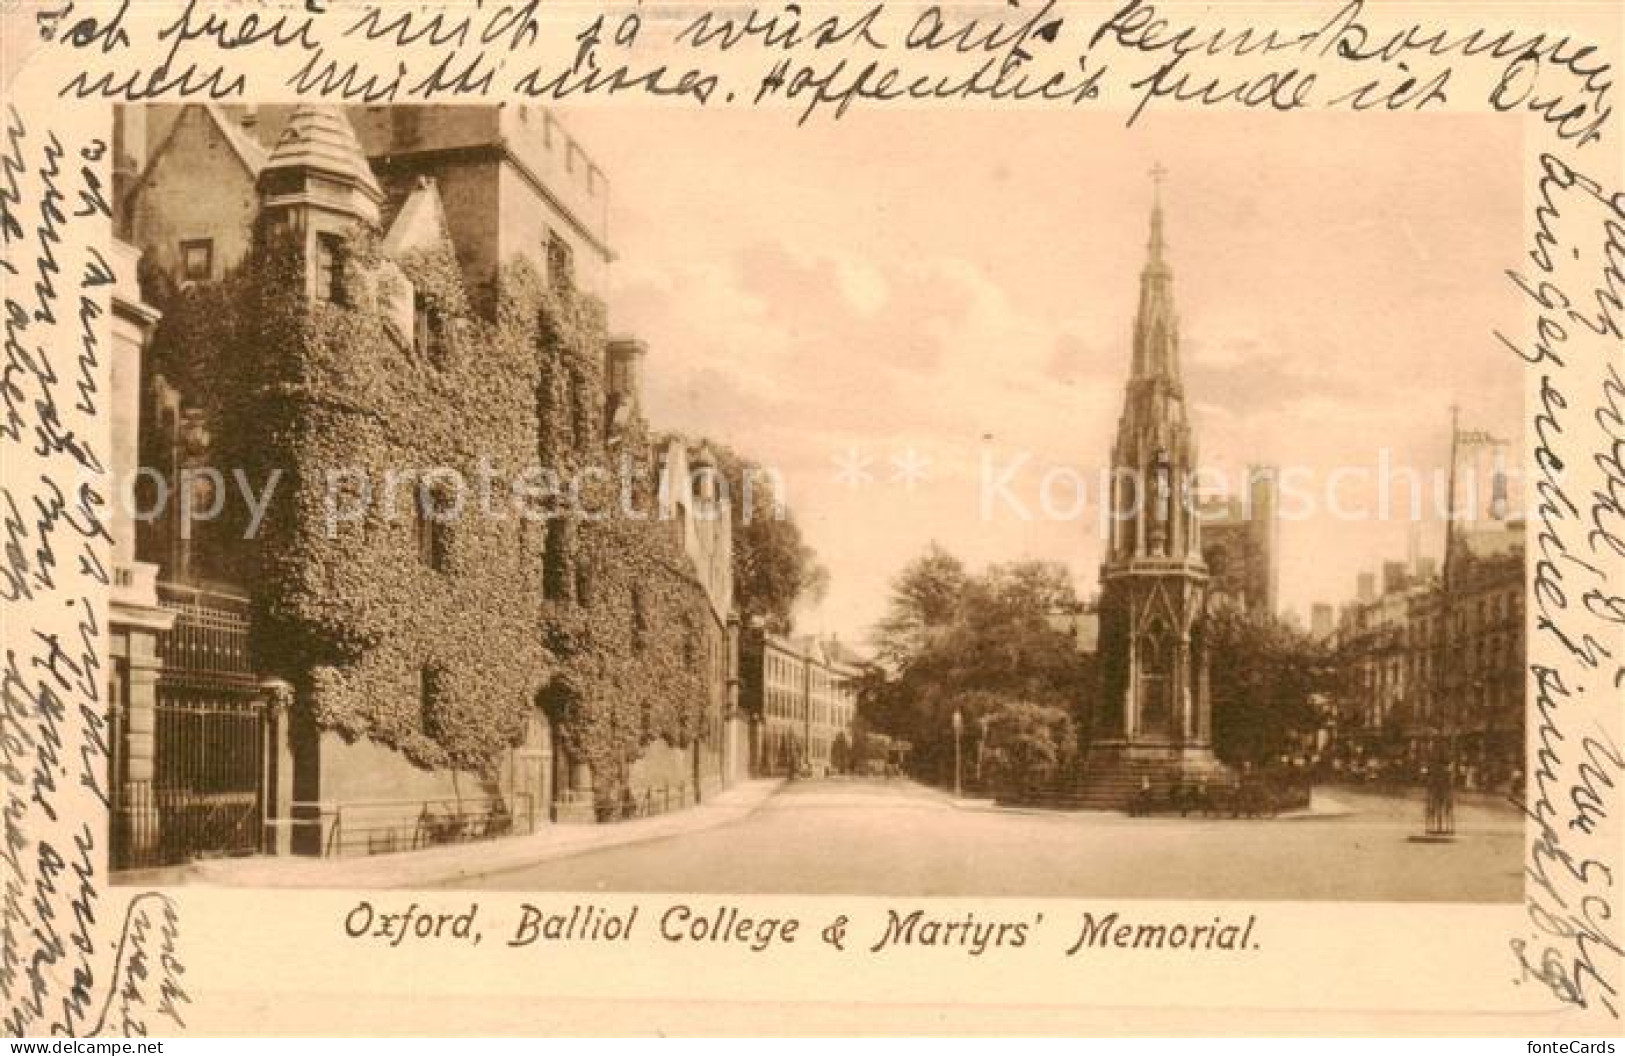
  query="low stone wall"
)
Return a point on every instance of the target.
[{"x": 373, "y": 800}]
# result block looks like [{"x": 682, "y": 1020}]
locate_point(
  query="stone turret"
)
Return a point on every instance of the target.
[{"x": 318, "y": 188}]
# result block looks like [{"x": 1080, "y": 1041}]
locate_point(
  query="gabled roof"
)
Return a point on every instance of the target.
[
  {"x": 244, "y": 147},
  {"x": 419, "y": 222}
]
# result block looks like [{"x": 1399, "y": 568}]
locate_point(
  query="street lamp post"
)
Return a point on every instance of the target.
[
  {"x": 1441, "y": 813},
  {"x": 981, "y": 747},
  {"x": 959, "y": 729}
]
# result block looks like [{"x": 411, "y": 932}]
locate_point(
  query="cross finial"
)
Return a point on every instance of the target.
[{"x": 1155, "y": 246}]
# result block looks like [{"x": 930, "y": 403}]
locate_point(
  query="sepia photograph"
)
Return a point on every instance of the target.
[{"x": 951, "y": 503}]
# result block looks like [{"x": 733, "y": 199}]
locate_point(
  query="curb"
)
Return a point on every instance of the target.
[
  {"x": 1332, "y": 812},
  {"x": 392, "y": 872}
]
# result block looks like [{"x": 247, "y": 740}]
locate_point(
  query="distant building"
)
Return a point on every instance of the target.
[
  {"x": 1435, "y": 670},
  {"x": 1379, "y": 701},
  {"x": 1241, "y": 544},
  {"x": 800, "y": 695},
  {"x": 1482, "y": 701},
  {"x": 1322, "y": 621}
]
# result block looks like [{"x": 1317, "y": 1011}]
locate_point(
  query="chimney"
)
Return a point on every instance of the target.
[
  {"x": 625, "y": 355},
  {"x": 1393, "y": 577},
  {"x": 702, "y": 467},
  {"x": 1366, "y": 587}
]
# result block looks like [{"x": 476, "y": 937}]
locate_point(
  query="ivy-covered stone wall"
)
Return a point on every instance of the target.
[{"x": 439, "y": 649}]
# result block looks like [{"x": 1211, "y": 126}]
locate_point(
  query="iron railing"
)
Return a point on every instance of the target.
[
  {"x": 367, "y": 827},
  {"x": 206, "y": 795},
  {"x": 643, "y": 803}
]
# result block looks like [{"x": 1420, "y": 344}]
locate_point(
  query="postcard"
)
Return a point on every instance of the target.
[{"x": 844, "y": 518}]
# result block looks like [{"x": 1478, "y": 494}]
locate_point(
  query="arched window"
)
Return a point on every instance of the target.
[
  {"x": 431, "y": 694},
  {"x": 1155, "y": 661},
  {"x": 1155, "y": 651}
]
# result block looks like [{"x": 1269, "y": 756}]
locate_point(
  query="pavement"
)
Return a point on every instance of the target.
[
  {"x": 449, "y": 865},
  {"x": 897, "y": 838},
  {"x": 894, "y": 837}
]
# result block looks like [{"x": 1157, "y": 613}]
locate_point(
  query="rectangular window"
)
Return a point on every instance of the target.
[
  {"x": 579, "y": 427},
  {"x": 584, "y": 583},
  {"x": 640, "y": 619},
  {"x": 330, "y": 268},
  {"x": 432, "y": 533},
  {"x": 561, "y": 267},
  {"x": 431, "y": 689},
  {"x": 428, "y": 331},
  {"x": 197, "y": 260},
  {"x": 555, "y": 560}
]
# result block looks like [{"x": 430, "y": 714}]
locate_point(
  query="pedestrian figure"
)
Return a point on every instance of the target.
[
  {"x": 1143, "y": 805},
  {"x": 1441, "y": 815}
]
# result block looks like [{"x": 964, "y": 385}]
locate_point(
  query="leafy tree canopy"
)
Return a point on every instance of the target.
[
  {"x": 1265, "y": 678},
  {"x": 981, "y": 643},
  {"x": 774, "y": 568}
]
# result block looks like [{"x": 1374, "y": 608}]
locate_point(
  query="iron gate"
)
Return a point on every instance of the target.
[{"x": 209, "y": 742}]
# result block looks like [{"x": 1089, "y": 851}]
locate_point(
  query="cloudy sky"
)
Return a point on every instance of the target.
[{"x": 900, "y": 309}]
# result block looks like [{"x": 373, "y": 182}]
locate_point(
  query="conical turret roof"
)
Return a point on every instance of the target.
[{"x": 320, "y": 138}]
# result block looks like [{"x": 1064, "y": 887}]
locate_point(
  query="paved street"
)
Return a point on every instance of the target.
[{"x": 899, "y": 838}]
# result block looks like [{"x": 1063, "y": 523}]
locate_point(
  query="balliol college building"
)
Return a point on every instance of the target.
[{"x": 359, "y": 605}]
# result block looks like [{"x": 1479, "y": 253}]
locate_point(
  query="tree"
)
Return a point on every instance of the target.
[
  {"x": 928, "y": 595},
  {"x": 773, "y": 567},
  {"x": 1028, "y": 588},
  {"x": 952, "y": 639},
  {"x": 1265, "y": 677},
  {"x": 1026, "y": 741}
]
